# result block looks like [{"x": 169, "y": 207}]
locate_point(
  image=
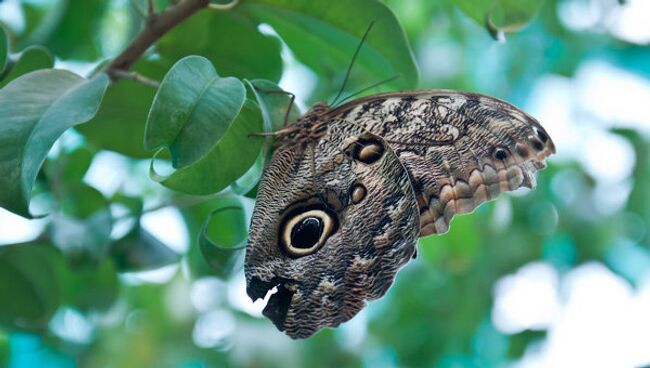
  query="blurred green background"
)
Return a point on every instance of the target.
[{"x": 556, "y": 277}]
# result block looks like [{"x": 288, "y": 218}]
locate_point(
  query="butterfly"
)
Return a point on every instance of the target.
[{"x": 350, "y": 189}]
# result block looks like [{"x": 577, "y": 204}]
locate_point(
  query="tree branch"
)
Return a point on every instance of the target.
[{"x": 156, "y": 26}]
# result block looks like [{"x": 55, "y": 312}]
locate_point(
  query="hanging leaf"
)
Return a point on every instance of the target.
[
  {"x": 500, "y": 15},
  {"x": 36, "y": 109},
  {"x": 324, "y": 34},
  {"x": 192, "y": 110},
  {"x": 30, "y": 285},
  {"x": 139, "y": 251},
  {"x": 228, "y": 160},
  {"x": 82, "y": 227},
  {"x": 223, "y": 255},
  {"x": 229, "y": 40},
  {"x": 92, "y": 287}
]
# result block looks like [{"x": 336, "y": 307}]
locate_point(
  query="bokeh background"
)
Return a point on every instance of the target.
[{"x": 556, "y": 277}]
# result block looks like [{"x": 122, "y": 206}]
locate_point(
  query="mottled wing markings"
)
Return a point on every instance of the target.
[
  {"x": 448, "y": 142},
  {"x": 358, "y": 263}
]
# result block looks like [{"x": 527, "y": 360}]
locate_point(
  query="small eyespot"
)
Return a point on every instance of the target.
[
  {"x": 500, "y": 154},
  {"x": 306, "y": 232},
  {"x": 357, "y": 193},
  {"x": 541, "y": 135},
  {"x": 368, "y": 151},
  {"x": 536, "y": 143}
]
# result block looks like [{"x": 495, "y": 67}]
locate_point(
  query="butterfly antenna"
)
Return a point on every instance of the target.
[
  {"x": 368, "y": 88},
  {"x": 354, "y": 58}
]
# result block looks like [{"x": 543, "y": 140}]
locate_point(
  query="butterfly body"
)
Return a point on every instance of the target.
[{"x": 350, "y": 189}]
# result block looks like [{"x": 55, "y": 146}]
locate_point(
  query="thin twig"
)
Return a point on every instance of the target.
[
  {"x": 179, "y": 203},
  {"x": 151, "y": 9},
  {"x": 137, "y": 77},
  {"x": 155, "y": 28},
  {"x": 228, "y": 6}
]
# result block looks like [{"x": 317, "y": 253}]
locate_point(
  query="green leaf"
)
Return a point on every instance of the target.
[
  {"x": 36, "y": 109},
  {"x": 274, "y": 103},
  {"x": 223, "y": 254},
  {"x": 4, "y": 50},
  {"x": 92, "y": 287},
  {"x": 31, "y": 59},
  {"x": 230, "y": 158},
  {"x": 120, "y": 121},
  {"x": 324, "y": 34},
  {"x": 82, "y": 228},
  {"x": 70, "y": 167},
  {"x": 251, "y": 177},
  {"x": 74, "y": 30},
  {"x": 30, "y": 285},
  {"x": 500, "y": 15},
  {"x": 139, "y": 251},
  {"x": 192, "y": 110},
  {"x": 229, "y": 40}
]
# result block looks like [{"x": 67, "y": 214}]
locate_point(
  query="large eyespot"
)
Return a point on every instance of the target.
[
  {"x": 305, "y": 232},
  {"x": 368, "y": 150}
]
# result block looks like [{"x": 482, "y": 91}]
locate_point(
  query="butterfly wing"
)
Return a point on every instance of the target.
[
  {"x": 460, "y": 149},
  {"x": 333, "y": 222}
]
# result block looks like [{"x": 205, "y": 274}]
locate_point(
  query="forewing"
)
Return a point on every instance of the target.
[{"x": 460, "y": 149}]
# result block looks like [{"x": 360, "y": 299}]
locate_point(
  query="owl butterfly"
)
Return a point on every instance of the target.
[{"x": 349, "y": 190}]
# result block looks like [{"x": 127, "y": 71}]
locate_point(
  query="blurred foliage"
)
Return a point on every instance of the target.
[{"x": 78, "y": 295}]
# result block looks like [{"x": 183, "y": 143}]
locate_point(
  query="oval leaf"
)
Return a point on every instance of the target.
[
  {"x": 192, "y": 110},
  {"x": 36, "y": 109},
  {"x": 30, "y": 285},
  {"x": 230, "y": 158},
  {"x": 4, "y": 50},
  {"x": 324, "y": 34},
  {"x": 223, "y": 260},
  {"x": 139, "y": 250},
  {"x": 500, "y": 15},
  {"x": 229, "y": 40},
  {"x": 31, "y": 59}
]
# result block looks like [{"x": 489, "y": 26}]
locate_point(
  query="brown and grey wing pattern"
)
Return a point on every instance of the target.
[
  {"x": 460, "y": 149},
  {"x": 356, "y": 184}
]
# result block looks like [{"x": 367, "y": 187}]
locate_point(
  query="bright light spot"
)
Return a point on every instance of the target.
[
  {"x": 607, "y": 157},
  {"x": 551, "y": 102},
  {"x": 213, "y": 329},
  {"x": 160, "y": 275},
  {"x": 613, "y": 95},
  {"x": 631, "y": 22},
  {"x": 354, "y": 333},
  {"x": 238, "y": 298},
  {"x": 16, "y": 229},
  {"x": 167, "y": 225},
  {"x": 207, "y": 293},
  {"x": 79, "y": 67},
  {"x": 579, "y": 15},
  {"x": 71, "y": 325},
  {"x": 11, "y": 14},
  {"x": 603, "y": 323},
  {"x": 527, "y": 300},
  {"x": 107, "y": 172}
]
